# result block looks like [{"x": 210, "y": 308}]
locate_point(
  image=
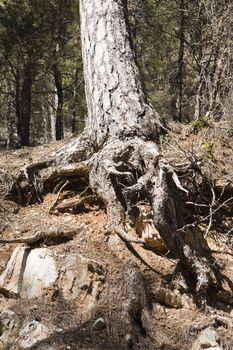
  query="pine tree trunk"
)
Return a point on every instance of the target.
[
  {"x": 180, "y": 75},
  {"x": 23, "y": 105},
  {"x": 123, "y": 126},
  {"x": 122, "y": 162},
  {"x": 59, "y": 114},
  {"x": 17, "y": 105},
  {"x": 53, "y": 103},
  {"x": 10, "y": 125},
  {"x": 117, "y": 104}
]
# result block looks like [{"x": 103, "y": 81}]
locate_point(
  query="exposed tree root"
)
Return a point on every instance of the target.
[
  {"x": 123, "y": 173},
  {"x": 76, "y": 204},
  {"x": 45, "y": 235},
  {"x": 31, "y": 181}
]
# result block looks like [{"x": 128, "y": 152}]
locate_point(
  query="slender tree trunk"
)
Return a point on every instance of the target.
[
  {"x": 180, "y": 75},
  {"x": 45, "y": 118},
  {"x": 74, "y": 116},
  {"x": 73, "y": 122},
  {"x": 59, "y": 115},
  {"x": 17, "y": 105},
  {"x": 10, "y": 125},
  {"x": 53, "y": 103},
  {"x": 23, "y": 105}
]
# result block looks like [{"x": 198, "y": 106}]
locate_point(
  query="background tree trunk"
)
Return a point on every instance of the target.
[
  {"x": 180, "y": 74},
  {"x": 123, "y": 163},
  {"x": 23, "y": 105},
  {"x": 53, "y": 102},
  {"x": 59, "y": 111}
]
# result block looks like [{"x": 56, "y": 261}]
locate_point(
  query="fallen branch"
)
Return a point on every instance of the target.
[
  {"x": 74, "y": 204},
  {"x": 44, "y": 235},
  {"x": 195, "y": 223},
  {"x": 211, "y": 212},
  {"x": 57, "y": 198}
]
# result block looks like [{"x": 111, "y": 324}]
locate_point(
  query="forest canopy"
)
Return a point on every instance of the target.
[{"x": 184, "y": 49}]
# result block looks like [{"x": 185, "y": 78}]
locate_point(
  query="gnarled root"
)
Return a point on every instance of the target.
[
  {"x": 69, "y": 161},
  {"x": 124, "y": 172}
]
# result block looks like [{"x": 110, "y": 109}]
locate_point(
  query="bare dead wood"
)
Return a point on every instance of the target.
[
  {"x": 75, "y": 204},
  {"x": 211, "y": 212},
  {"x": 203, "y": 219},
  {"x": 45, "y": 235},
  {"x": 126, "y": 237},
  {"x": 81, "y": 169},
  {"x": 57, "y": 198}
]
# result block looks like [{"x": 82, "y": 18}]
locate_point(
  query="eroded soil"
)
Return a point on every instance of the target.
[{"x": 175, "y": 320}]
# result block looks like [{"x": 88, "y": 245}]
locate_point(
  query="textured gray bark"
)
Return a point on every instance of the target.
[
  {"x": 117, "y": 103},
  {"x": 123, "y": 126}
]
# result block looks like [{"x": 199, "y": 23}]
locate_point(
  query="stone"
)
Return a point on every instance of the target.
[
  {"x": 99, "y": 324},
  {"x": 32, "y": 333},
  {"x": 34, "y": 273},
  {"x": 40, "y": 274},
  {"x": 208, "y": 339},
  {"x": 80, "y": 279},
  {"x": 7, "y": 324},
  {"x": 29, "y": 273},
  {"x": 169, "y": 297},
  {"x": 12, "y": 275}
]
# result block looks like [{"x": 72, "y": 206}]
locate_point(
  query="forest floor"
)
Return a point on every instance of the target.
[{"x": 176, "y": 319}]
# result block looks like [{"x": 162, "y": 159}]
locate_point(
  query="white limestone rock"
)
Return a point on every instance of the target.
[
  {"x": 32, "y": 333},
  {"x": 34, "y": 273},
  {"x": 40, "y": 273},
  {"x": 208, "y": 340},
  {"x": 8, "y": 323}
]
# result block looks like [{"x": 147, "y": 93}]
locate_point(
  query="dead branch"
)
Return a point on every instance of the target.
[
  {"x": 197, "y": 222},
  {"x": 75, "y": 204},
  {"x": 81, "y": 170},
  {"x": 45, "y": 235},
  {"x": 57, "y": 198},
  {"x": 211, "y": 212}
]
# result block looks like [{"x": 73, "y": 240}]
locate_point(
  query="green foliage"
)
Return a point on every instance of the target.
[
  {"x": 42, "y": 33},
  {"x": 200, "y": 123},
  {"x": 209, "y": 149},
  {"x": 45, "y": 33}
]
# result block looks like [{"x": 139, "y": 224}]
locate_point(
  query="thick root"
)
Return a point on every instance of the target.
[
  {"x": 124, "y": 172},
  {"x": 70, "y": 161}
]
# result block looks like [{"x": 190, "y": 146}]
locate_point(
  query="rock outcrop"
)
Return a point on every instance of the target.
[
  {"x": 41, "y": 272},
  {"x": 208, "y": 340}
]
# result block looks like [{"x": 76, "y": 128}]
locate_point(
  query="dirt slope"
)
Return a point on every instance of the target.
[{"x": 175, "y": 321}]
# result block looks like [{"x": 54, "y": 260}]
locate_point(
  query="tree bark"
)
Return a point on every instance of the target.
[
  {"x": 180, "y": 75},
  {"x": 118, "y": 146},
  {"x": 10, "y": 125},
  {"x": 59, "y": 112},
  {"x": 23, "y": 105},
  {"x": 17, "y": 104},
  {"x": 123, "y": 126},
  {"x": 116, "y": 101},
  {"x": 53, "y": 103}
]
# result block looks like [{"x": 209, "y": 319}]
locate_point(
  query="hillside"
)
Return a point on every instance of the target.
[{"x": 85, "y": 288}]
